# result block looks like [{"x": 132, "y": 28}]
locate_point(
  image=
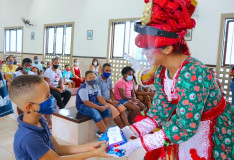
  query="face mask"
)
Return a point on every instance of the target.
[
  {"x": 3, "y": 65},
  {"x": 67, "y": 69},
  {"x": 76, "y": 64},
  {"x": 15, "y": 62},
  {"x": 26, "y": 69},
  {"x": 106, "y": 75},
  {"x": 95, "y": 63},
  {"x": 55, "y": 66},
  {"x": 129, "y": 78},
  {"x": 48, "y": 106},
  {"x": 10, "y": 62},
  {"x": 36, "y": 60},
  {"x": 92, "y": 82},
  {"x": 48, "y": 66}
]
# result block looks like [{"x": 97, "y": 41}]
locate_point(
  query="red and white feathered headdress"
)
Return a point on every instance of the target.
[{"x": 165, "y": 22}]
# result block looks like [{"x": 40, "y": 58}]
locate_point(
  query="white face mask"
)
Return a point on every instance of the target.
[
  {"x": 95, "y": 63},
  {"x": 3, "y": 65}
]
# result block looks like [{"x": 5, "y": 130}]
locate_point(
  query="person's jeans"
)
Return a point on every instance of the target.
[
  {"x": 66, "y": 95},
  {"x": 95, "y": 114},
  {"x": 232, "y": 89}
]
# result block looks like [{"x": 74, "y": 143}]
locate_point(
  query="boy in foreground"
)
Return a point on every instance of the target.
[{"x": 33, "y": 139}]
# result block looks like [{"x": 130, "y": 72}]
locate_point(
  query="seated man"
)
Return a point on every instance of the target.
[
  {"x": 33, "y": 139},
  {"x": 90, "y": 102},
  {"x": 117, "y": 110}
]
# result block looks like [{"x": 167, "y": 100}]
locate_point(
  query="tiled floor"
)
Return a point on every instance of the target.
[{"x": 8, "y": 128}]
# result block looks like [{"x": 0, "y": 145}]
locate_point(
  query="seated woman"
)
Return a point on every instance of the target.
[
  {"x": 54, "y": 78},
  {"x": 67, "y": 74},
  {"x": 125, "y": 94},
  {"x": 9, "y": 69},
  {"x": 76, "y": 73},
  {"x": 95, "y": 67}
]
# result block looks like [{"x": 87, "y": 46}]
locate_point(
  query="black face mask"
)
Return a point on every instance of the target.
[
  {"x": 55, "y": 66},
  {"x": 15, "y": 62}
]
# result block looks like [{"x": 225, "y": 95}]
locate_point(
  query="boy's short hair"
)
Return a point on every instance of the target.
[
  {"x": 126, "y": 69},
  {"x": 23, "y": 84},
  {"x": 66, "y": 65},
  {"x": 87, "y": 72},
  {"x": 3, "y": 61},
  {"x": 105, "y": 65},
  {"x": 26, "y": 60}
]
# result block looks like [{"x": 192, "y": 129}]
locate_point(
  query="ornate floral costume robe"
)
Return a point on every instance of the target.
[{"x": 199, "y": 121}]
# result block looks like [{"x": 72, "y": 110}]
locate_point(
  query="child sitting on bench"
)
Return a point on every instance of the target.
[{"x": 90, "y": 102}]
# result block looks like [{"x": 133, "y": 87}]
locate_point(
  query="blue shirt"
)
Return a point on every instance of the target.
[
  {"x": 105, "y": 86},
  {"x": 32, "y": 142},
  {"x": 87, "y": 93},
  {"x": 67, "y": 74}
]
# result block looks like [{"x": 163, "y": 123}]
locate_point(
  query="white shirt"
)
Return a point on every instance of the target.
[
  {"x": 19, "y": 73},
  {"x": 96, "y": 70},
  {"x": 39, "y": 66},
  {"x": 54, "y": 77}
]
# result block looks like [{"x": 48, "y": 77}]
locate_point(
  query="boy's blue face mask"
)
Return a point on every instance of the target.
[{"x": 48, "y": 106}]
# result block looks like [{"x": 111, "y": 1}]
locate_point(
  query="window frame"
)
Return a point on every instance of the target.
[
  {"x": 111, "y": 31},
  {"x": 225, "y": 39},
  {"x": 4, "y": 44},
  {"x": 46, "y": 37}
]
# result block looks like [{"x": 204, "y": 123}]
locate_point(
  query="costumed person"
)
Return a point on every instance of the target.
[
  {"x": 5, "y": 102},
  {"x": 196, "y": 121}
]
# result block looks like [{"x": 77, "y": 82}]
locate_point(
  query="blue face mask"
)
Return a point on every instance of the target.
[
  {"x": 92, "y": 82},
  {"x": 106, "y": 75},
  {"x": 36, "y": 60},
  {"x": 48, "y": 106},
  {"x": 76, "y": 63},
  {"x": 129, "y": 78},
  {"x": 10, "y": 62}
]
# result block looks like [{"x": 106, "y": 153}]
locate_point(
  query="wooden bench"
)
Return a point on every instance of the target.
[{"x": 73, "y": 127}]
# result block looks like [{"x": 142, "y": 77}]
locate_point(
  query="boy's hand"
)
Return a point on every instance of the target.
[
  {"x": 102, "y": 108},
  {"x": 101, "y": 152},
  {"x": 95, "y": 145}
]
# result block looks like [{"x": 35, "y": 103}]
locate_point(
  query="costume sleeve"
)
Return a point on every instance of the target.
[
  {"x": 145, "y": 126},
  {"x": 190, "y": 86},
  {"x": 153, "y": 141}
]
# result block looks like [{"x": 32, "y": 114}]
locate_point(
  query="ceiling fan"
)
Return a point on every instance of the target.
[{"x": 27, "y": 22}]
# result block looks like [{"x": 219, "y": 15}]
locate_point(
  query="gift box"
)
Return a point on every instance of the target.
[{"x": 115, "y": 137}]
